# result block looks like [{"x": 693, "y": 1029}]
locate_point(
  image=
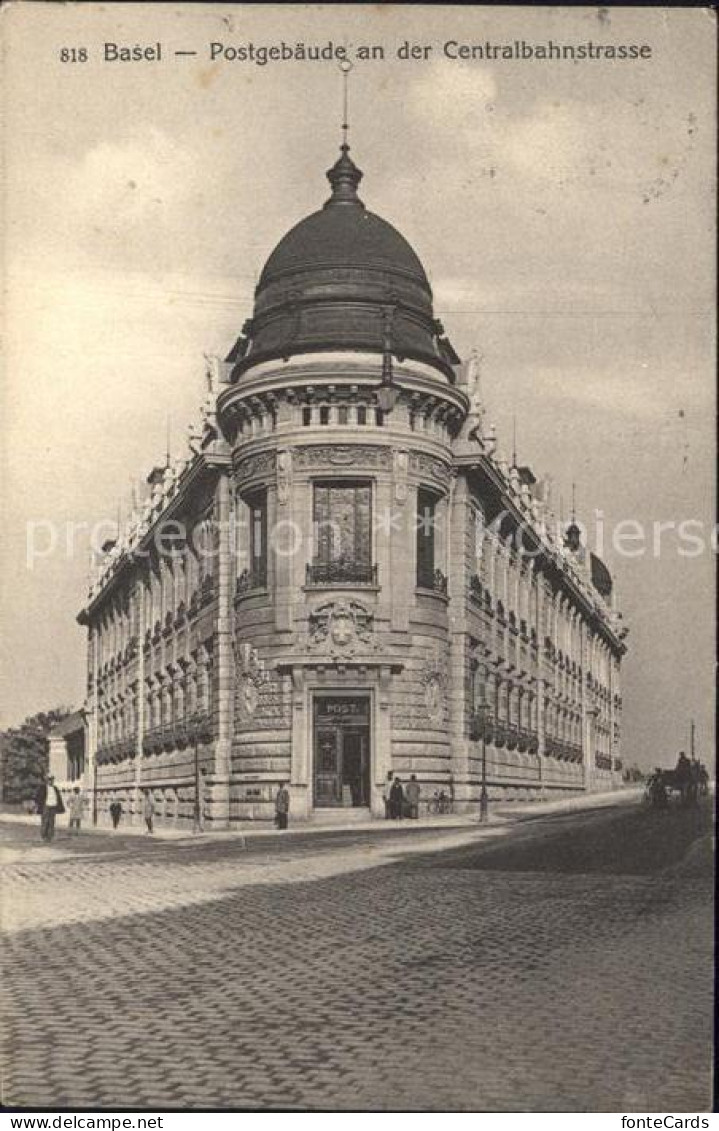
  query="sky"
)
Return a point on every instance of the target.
[{"x": 564, "y": 213}]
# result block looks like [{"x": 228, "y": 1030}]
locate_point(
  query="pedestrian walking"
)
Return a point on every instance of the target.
[
  {"x": 198, "y": 807},
  {"x": 148, "y": 811},
  {"x": 75, "y": 807},
  {"x": 282, "y": 806},
  {"x": 48, "y": 803},
  {"x": 413, "y": 792},
  {"x": 396, "y": 799},
  {"x": 386, "y": 790},
  {"x": 115, "y": 813}
]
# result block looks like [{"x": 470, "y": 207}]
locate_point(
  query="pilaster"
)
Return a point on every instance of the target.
[{"x": 224, "y": 660}]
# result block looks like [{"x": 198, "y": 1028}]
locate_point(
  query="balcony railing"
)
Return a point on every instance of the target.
[
  {"x": 255, "y": 578},
  {"x": 116, "y": 750},
  {"x": 436, "y": 582},
  {"x": 207, "y": 589},
  {"x": 340, "y": 573},
  {"x": 179, "y": 734}
]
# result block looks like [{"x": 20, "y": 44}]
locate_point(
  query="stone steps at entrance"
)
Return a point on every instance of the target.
[{"x": 339, "y": 816}]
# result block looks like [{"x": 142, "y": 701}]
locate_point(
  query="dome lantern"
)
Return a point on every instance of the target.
[{"x": 344, "y": 176}]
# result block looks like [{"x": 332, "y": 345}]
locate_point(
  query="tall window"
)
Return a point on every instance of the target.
[
  {"x": 426, "y": 508},
  {"x": 257, "y": 515},
  {"x": 342, "y": 518}
]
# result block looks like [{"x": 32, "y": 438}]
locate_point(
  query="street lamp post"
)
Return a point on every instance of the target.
[
  {"x": 197, "y": 824},
  {"x": 483, "y": 796},
  {"x": 94, "y": 789},
  {"x": 481, "y": 728}
]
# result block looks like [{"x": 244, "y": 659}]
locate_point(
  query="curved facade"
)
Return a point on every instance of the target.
[{"x": 348, "y": 597}]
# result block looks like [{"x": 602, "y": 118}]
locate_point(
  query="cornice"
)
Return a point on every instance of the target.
[
  {"x": 552, "y": 565},
  {"x": 206, "y": 463}
]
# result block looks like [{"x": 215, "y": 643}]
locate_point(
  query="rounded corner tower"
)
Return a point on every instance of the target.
[{"x": 340, "y": 412}]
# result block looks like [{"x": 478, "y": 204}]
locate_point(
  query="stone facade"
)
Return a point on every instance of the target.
[{"x": 327, "y": 590}]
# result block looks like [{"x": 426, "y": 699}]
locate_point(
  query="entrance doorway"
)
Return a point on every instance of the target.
[{"x": 342, "y": 751}]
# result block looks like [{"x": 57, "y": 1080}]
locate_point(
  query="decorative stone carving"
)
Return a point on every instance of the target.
[
  {"x": 253, "y": 676},
  {"x": 424, "y": 465},
  {"x": 433, "y": 677},
  {"x": 341, "y": 627},
  {"x": 433, "y": 699},
  {"x": 401, "y": 465},
  {"x": 284, "y": 471},
  {"x": 343, "y": 455},
  {"x": 259, "y": 464}
]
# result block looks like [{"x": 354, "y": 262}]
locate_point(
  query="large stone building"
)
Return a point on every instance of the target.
[{"x": 345, "y": 577}]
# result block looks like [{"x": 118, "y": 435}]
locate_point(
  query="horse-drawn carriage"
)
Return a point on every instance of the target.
[{"x": 666, "y": 785}]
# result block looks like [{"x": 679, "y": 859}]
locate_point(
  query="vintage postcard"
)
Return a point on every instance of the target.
[{"x": 359, "y": 558}]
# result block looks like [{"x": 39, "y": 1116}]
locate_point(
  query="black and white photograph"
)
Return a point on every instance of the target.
[{"x": 359, "y": 553}]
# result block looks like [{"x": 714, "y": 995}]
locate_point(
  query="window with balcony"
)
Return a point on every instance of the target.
[
  {"x": 342, "y": 526},
  {"x": 426, "y": 515},
  {"x": 257, "y": 508},
  {"x": 252, "y": 519}
]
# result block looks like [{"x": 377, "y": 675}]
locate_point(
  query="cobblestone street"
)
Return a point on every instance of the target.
[{"x": 561, "y": 963}]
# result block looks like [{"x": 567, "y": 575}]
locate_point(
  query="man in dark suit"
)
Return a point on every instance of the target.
[
  {"x": 48, "y": 803},
  {"x": 282, "y": 806}
]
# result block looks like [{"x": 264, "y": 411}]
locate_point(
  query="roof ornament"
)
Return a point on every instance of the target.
[
  {"x": 345, "y": 67},
  {"x": 344, "y": 176},
  {"x": 473, "y": 378}
]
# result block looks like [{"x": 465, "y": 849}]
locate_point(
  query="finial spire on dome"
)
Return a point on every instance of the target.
[
  {"x": 345, "y": 67},
  {"x": 344, "y": 176}
]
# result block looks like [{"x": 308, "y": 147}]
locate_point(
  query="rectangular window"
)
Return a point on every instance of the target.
[
  {"x": 342, "y": 518},
  {"x": 324, "y": 415},
  {"x": 257, "y": 514},
  {"x": 306, "y": 417},
  {"x": 426, "y": 507},
  {"x": 342, "y": 414},
  {"x": 361, "y": 414}
]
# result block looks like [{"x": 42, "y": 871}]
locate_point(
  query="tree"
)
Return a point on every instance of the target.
[{"x": 25, "y": 750}]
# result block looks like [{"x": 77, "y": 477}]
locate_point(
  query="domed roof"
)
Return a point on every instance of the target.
[
  {"x": 344, "y": 237},
  {"x": 343, "y": 279}
]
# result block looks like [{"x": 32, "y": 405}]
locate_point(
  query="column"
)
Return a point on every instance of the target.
[
  {"x": 382, "y": 738},
  {"x": 141, "y": 598},
  {"x": 400, "y": 579},
  {"x": 460, "y": 522},
  {"x": 283, "y": 541},
  {"x": 300, "y": 786},
  {"x": 219, "y": 780}
]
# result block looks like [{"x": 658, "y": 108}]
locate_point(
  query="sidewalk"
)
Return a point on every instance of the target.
[{"x": 501, "y": 813}]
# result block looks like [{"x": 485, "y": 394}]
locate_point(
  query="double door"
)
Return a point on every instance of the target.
[{"x": 342, "y": 756}]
